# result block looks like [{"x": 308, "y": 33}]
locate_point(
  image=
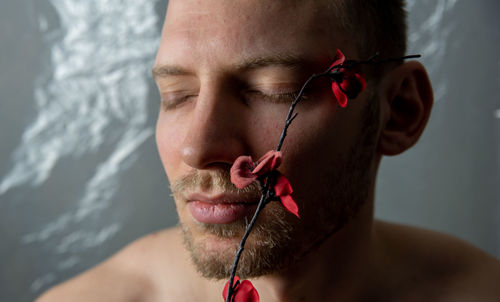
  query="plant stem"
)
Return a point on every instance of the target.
[
  {"x": 266, "y": 183},
  {"x": 289, "y": 117},
  {"x": 241, "y": 247},
  {"x": 264, "y": 198}
]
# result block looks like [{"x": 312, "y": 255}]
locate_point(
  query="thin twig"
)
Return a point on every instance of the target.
[
  {"x": 292, "y": 108},
  {"x": 267, "y": 181},
  {"x": 241, "y": 247}
]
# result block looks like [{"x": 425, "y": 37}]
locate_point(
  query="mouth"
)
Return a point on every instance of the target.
[{"x": 220, "y": 208}]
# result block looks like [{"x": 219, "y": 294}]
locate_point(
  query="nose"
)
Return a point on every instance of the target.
[{"x": 216, "y": 130}]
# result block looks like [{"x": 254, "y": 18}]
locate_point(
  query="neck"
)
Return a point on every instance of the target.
[{"x": 338, "y": 268}]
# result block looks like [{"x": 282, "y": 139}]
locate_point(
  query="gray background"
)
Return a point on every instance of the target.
[{"x": 79, "y": 173}]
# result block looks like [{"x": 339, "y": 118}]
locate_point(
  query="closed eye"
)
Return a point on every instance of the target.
[
  {"x": 171, "y": 101},
  {"x": 285, "y": 98}
]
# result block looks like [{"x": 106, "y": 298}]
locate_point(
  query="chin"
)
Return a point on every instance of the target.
[
  {"x": 214, "y": 246},
  {"x": 216, "y": 243}
]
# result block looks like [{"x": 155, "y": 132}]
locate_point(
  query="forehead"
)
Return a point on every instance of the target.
[{"x": 228, "y": 31}]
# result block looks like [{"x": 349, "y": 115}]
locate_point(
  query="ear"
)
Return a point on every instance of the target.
[{"x": 407, "y": 98}]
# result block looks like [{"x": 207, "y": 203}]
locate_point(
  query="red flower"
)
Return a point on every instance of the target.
[
  {"x": 243, "y": 292},
  {"x": 349, "y": 85},
  {"x": 283, "y": 190},
  {"x": 269, "y": 162},
  {"x": 244, "y": 171},
  {"x": 241, "y": 172}
]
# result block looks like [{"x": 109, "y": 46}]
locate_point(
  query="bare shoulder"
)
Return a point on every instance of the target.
[
  {"x": 136, "y": 273},
  {"x": 442, "y": 266}
]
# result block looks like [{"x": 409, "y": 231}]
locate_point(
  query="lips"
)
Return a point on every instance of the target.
[{"x": 219, "y": 209}]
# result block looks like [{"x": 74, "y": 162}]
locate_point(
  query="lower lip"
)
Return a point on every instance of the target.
[{"x": 219, "y": 213}]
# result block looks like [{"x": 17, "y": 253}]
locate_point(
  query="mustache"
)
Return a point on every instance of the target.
[{"x": 213, "y": 181}]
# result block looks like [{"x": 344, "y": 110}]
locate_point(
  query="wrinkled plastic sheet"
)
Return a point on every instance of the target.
[{"x": 90, "y": 97}]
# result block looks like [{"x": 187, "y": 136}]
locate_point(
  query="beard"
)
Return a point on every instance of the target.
[
  {"x": 267, "y": 245},
  {"x": 273, "y": 244},
  {"x": 266, "y": 248}
]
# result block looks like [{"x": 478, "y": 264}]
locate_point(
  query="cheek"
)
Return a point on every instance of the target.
[
  {"x": 168, "y": 141},
  {"x": 265, "y": 128},
  {"x": 317, "y": 143}
]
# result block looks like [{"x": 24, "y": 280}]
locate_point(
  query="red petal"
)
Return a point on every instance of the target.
[
  {"x": 241, "y": 174},
  {"x": 339, "y": 58},
  {"x": 283, "y": 189},
  {"x": 226, "y": 287},
  {"x": 246, "y": 293},
  {"x": 361, "y": 80},
  {"x": 270, "y": 161},
  {"x": 282, "y": 186},
  {"x": 353, "y": 84},
  {"x": 339, "y": 95},
  {"x": 290, "y": 204}
]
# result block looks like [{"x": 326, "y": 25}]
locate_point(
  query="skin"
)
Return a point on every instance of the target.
[{"x": 224, "y": 114}]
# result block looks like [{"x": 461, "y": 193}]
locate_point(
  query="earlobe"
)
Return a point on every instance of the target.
[{"x": 407, "y": 98}]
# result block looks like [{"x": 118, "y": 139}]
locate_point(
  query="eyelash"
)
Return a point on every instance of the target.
[
  {"x": 274, "y": 98},
  {"x": 174, "y": 102},
  {"x": 277, "y": 97}
]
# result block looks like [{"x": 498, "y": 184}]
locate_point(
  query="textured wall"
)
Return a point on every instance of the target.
[
  {"x": 450, "y": 180},
  {"x": 79, "y": 173}
]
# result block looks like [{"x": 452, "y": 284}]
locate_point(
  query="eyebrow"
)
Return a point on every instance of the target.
[
  {"x": 166, "y": 70},
  {"x": 280, "y": 60}
]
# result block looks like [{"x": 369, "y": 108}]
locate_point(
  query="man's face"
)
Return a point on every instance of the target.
[{"x": 227, "y": 72}]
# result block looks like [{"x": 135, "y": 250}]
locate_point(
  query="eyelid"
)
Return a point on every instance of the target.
[
  {"x": 173, "y": 99},
  {"x": 284, "y": 97},
  {"x": 281, "y": 97},
  {"x": 276, "y": 87}
]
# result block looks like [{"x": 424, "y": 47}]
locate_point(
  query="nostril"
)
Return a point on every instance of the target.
[{"x": 209, "y": 152}]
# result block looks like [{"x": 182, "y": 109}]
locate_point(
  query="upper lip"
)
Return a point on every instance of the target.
[{"x": 220, "y": 198}]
